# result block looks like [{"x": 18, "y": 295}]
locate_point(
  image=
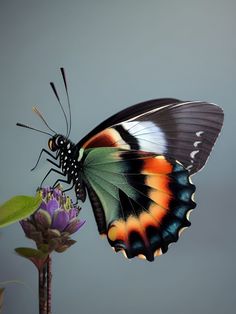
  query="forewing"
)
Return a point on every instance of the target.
[
  {"x": 126, "y": 114},
  {"x": 140, "y": 200},
  {"x": 184, "y": 131}
]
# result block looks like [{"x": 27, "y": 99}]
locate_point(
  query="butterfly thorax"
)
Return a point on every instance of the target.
[{"x": 67, "y": 152}]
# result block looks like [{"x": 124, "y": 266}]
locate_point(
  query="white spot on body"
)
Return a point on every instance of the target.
[
  {"x": 68, "y": 146},
  {"x": 65, "y": 157},
  {"x": 69, "y": 151}
]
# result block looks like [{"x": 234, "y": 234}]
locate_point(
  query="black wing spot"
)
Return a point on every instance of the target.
[{"x": 127, "y": 137}]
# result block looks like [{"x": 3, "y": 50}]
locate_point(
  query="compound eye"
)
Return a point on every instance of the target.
[
  {"x": 56, "y": 141},
  {"x": 59, "y": 141}
]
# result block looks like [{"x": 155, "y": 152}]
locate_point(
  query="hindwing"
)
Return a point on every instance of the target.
[{"x": 140, "y": 200}]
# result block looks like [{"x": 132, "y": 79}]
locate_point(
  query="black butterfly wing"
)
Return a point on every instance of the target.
[{"x": 184, "y": 131}]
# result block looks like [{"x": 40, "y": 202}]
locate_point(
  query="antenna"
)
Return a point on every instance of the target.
[
  {"x": 58, "y": 99},
  {"x": 35, "y": 110},
  {"x": 68, "y": 98},
  {"x": 31, "y": 128}
]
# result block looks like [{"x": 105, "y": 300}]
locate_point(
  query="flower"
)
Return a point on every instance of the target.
[{"x": 51, "y": 225}]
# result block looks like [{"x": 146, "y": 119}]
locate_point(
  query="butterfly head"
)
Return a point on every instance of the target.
[{"x": 57, "y": 142}]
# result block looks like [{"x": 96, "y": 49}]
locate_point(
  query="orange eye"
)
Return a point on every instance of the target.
[{"x": 50, "y": 144}]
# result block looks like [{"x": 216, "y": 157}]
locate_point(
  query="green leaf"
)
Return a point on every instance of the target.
[
  {"x": 1, "y": 299},
  {"x": 30, "y": 253},
  {"x": 37, "y": 257},
  {"x": 44, "y": 248},
  {"x": 17, "y": 208}
]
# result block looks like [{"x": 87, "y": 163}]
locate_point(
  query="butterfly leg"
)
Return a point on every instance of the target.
[
  {"x": 70, "y": 188},
  {"x": 68, "y": 181},
  {"x": 61, "y": 181},
  {"x": 52, "y": 170},
  {"x": 46, "y": 152},
  {"x": 54, "y": 164}
]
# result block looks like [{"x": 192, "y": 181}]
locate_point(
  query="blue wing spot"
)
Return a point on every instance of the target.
[
  {"x": 185, "y": 195},
  {"x": 174, "y": 227},
  {"x": 181, "y": 212},
  {"x": 182, "y": 178},
  {"x": 178, "y": 167}
]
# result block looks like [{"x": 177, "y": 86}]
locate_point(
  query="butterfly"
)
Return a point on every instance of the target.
[{"x": 135, "y": 168}]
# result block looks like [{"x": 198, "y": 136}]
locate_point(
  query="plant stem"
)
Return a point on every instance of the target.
[
  {"x": 49, "y": 285},
  {"x": 42, "y": 291}
]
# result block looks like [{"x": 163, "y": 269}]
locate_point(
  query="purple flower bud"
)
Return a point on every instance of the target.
[
  {"x": 73, "y": 212},
  {"x": 60, "y": 219},
  {"x": 74, "y": 225},
  {"x": 43, "y": 205},
  {"x": 45, "y": 191},
  {"x": 53, "y": 233},
  {"x": 43, "y": 219},
  {"x": 52, "y": 205},
  {"x": 27, "y": 226},
  {"x": 57, "y": 193}
]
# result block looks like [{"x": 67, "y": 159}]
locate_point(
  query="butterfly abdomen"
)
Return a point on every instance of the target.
[{"x": 71, "y": 168}]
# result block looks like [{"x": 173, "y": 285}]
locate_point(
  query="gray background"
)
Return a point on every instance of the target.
[{"x": 117, "y": 53}]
